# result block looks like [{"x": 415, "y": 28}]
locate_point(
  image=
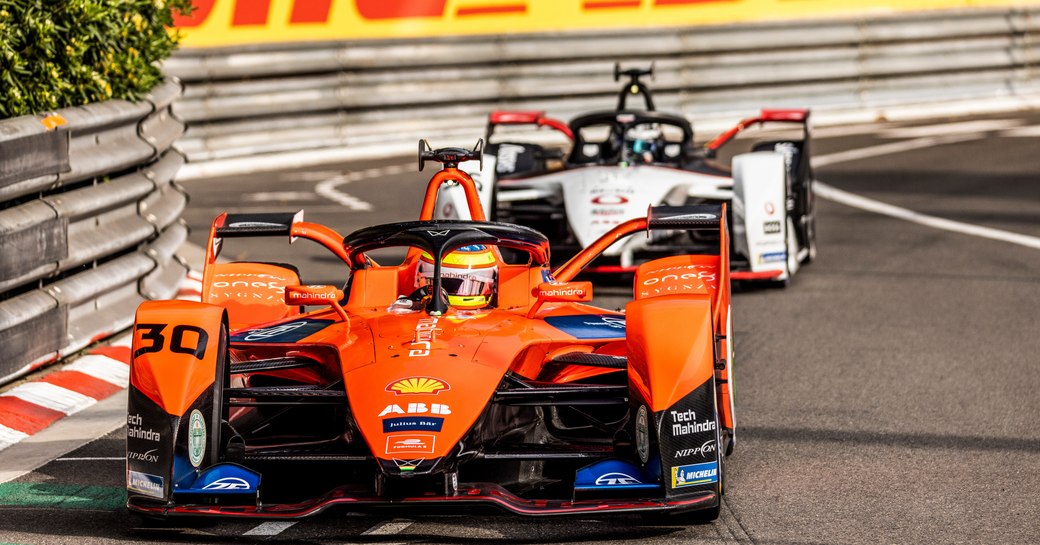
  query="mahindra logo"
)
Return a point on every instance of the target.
[
  {"x": 267, "y": 333},
  {"x": 614, "y": 479},
  {"x": 425, "y": 332},
  {"x": 612, "y": 322},
  {"x": 228, "y": 483}
]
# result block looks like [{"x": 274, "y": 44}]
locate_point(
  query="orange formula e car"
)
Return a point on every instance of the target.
[{"x": 468, "y": 375}]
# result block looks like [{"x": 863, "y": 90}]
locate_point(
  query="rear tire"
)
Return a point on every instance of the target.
[{"x": 810, "y": 234}]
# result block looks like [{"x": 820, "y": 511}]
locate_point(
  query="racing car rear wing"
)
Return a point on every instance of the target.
[
  {"x": 506, "y": 117},
  {"x": 269, "y": 225},
  {"x": 793, "y": 115}
]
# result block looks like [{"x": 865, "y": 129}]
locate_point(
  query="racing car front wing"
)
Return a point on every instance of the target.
[{"x": 470, "y": 495}]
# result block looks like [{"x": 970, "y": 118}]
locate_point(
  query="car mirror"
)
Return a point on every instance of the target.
[
  {"x": 315, "y": 295},
  {"x": 561, "y": 292}
]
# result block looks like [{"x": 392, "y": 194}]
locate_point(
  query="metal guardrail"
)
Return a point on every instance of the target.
[
  {"x": 89, "y": 223},
  {"x": 242, "y": 102}
]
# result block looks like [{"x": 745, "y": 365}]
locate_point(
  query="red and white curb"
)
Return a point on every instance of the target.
[{"x": 31, "y": 407}]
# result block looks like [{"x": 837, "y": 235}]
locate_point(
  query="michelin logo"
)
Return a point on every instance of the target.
[
  {"x": 695, "y": 474},
  {"x": 144, "y": 483}
]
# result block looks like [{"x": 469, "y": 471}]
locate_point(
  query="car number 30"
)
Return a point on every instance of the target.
[{"x": 153, "y": 333}]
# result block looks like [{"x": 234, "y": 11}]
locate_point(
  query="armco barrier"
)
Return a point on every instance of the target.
[
  {"x": 278, "y": 98},
  {"x": 89, "y": 222}
]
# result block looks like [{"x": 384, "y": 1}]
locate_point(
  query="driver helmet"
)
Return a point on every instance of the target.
[
  {"x": 643, "y": 142},
  {"x": 469, "y": 275}
]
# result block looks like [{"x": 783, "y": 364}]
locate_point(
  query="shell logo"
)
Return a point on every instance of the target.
[{"x": 417, "y": 385}]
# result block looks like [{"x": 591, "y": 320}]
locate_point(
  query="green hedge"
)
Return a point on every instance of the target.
[{"x": 60, "y": 53}]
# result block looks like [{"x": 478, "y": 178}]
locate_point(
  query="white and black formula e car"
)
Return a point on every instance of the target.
[{"x": 622, "y": 161}]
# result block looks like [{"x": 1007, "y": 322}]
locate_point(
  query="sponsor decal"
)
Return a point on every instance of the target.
[
  {"x": 251, "y": 280},
  {"x": 228, "y": 483},
  {"x": 685, "y": 423},
  {"x": 564, "y": 290},
  {"x": 412, "y": 423},
  {"x": 642, "y": 435},
  {"x": 705, "y": 274},
  {"x": 254, "y": 224},
  {"x": 608, "y": 211},
  {"x": 590, "y": 326},
  {"x": 691, "y": 475},
  {"x": 609, "y": 190},
  {"x": 328, "y": 296},
  {"x": 439, "y": 233},
  {"x": 248, "y": 286},
  {"x": 616, "y": 479},
  {"x": 618, "y": 474},
  {"x": 707, "y": 449},
  {"x": 196, "y": 438},
  {"x": 150, "y": 456},
  {"x": 690, "y": 217},
  {"x": 417, "y": 408},
  {"x": 145, "y": 483},
  {"x": 408, "y": 465},
  {"x": 771, "y": 227},
  {"x": 418, "y": 385},
  {"x": 693, "y": 278},
  {"x": 282, "y": 333},
  {"x": 610, "y": 199},
  {"x": 772, "y": 257},
  {"x": 411, "y": 444},
  {"x": 425, "y": 333},
  {"x": 134, "y": 429},
  {"x": 507, "y": 155}
]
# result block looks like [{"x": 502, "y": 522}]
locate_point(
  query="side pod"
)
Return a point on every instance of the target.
[
  {"x": 173, "y": 420},
  {"x": 671, "y": 366}
]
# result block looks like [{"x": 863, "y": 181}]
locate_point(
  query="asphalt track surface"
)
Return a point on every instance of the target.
[{"x": 890, "y": 395}]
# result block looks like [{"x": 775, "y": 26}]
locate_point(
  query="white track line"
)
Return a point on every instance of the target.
[
  {"x": 870, "y": 205},
  {"x": 270, "y": 528},
  {"x": 266, "y": 196},
  {"x": 947, "y": 129},
  {"x": 391, "y": 527},
  {"x": 330, "y": 190},
  {"x": 329, "y": 187},
  {"x": 890, "y": 148}
]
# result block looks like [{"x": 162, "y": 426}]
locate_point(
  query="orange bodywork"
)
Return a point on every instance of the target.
[
  {"x": 176, "y": 346},
  {"x": 416, "y": 381}
]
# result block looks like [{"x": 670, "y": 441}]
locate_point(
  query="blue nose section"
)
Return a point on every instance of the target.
[{"x": 618, "y": 475}]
